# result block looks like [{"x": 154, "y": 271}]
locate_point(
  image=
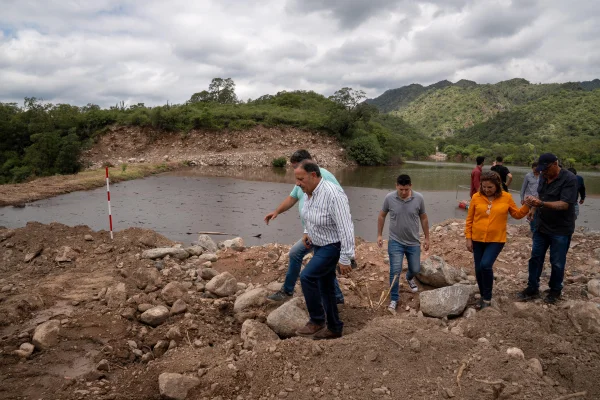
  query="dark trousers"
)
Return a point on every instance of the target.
[
  {"x": 485, "y": 255},
  {"x": 318, "y": 285},
  {"x": 559, "y": 246}
]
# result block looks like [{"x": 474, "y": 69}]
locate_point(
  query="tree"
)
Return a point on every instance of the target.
[
  {"x": 348, "y": 97},
  {"x": 201, "y": 97},
  {"x": 223, "y": 90}
]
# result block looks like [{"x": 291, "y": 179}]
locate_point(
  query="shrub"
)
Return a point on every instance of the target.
[
  {"x": 365, "y": 150},
  {"x": 123, "y": 167},
  {"x": 279, "y": 162}
]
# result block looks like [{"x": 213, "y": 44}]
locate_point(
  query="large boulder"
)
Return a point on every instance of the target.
[
  {"x": 233, "y": 244},
  {"x": 146, "y": 277},
  {"x": 254, "y": 332},
  {"x": 46, "y": 335},
  {"x": 207, "y": 243},
  {"x": 252, "y": 298},
  {"x": 435, "y": 272},
  {"x": 593, "y": 287},
  {"x": 172, "y": 292},
  {"x": 155, "y": 316},
  {"x": 116, "y": 295},
  {"x": 176, "y": 386},
  {"x": 288, "y": 318},
  {"x": 222, "y": 285},
  {"x": 161, "y": 252},
  {"x": 445, "y": 302},
  {"x": 585, "y": 316}
]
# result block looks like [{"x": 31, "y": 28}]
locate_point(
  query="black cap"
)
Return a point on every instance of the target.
[{"x": 545, "y": 161}]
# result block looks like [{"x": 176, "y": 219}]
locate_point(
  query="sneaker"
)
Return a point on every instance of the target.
[
  {"x": 412, "y": 285},
  {"x": 392, "y": 307},
  {"x": 484, "y": 304},
  {"x": 279, "y": 296},
  {"x": 325, "y": 334},
  {"x": 552, "y": 297},
  {"x": 309, "y": 329},
  {"x": 528, "y": 294}
]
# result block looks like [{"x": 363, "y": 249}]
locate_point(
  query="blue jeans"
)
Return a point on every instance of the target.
[
  {"x": 576, "y": 210},
  {"x": 533, "y": 222},
  {"x": 396, "y": 251},
  {"x": 318, "y": 286},
  {"x": 559, "y": 245},
  {"x": 485, "y": 255},
  {"x": 297, "y": 253}
]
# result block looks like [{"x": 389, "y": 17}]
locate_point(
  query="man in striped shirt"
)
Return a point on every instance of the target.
[{"x": 330, "y": 232}]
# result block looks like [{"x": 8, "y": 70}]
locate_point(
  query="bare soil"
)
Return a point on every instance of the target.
[{"x": 380, "y": 356}]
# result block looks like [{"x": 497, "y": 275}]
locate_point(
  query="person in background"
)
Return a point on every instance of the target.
[
  {"x": 485, "y": 229},
  {"x": 580, "y": 191},
  {"x": 529, "y": 188},
  {"x": 504, "y": 173},
  {"x": 555, "y": 209},
  {"x": 407, "y": 209},
  {"x": 476, "y": 175},
  {"x": 298, "y": 250},
  {"x": 329, "y": 231}
]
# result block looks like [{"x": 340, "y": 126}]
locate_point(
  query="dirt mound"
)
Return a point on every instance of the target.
[
  {"x": 254, "y": 147},
  {"x": 98, "y": 289}
]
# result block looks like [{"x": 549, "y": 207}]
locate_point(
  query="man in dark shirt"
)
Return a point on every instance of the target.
[
  {"x": 580, "y": 191},
  {"x": 555, "y": 208},
  {"x": 504, "y": 173},
  {"x": 476, "y": 175}
]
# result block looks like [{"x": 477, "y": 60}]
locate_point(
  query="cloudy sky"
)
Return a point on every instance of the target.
[{"x": 105, "y": 51}]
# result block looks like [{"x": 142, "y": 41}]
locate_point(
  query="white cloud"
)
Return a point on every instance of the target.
[{"x": 109, "y": 50}]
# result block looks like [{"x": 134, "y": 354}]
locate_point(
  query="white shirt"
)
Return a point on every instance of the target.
[{"x": 327, "y": 217}]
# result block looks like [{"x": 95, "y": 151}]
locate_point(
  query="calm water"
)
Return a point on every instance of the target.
[{"x": 236, "y": 200}]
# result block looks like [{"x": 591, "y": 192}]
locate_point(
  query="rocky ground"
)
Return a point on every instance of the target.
[
  {"x": 141, "y": 317},
  {"x": 255, "y": 147}
]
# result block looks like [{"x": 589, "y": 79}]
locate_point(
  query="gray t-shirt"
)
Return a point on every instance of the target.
[{"x": 404, "y": 217}]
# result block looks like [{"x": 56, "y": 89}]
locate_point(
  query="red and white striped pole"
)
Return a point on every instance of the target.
[{"x": 109, "y": 212}]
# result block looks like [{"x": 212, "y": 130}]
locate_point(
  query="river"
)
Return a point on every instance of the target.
[{"x": 179, "y": 204}]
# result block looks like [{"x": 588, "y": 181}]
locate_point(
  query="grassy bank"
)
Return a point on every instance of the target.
[{"x": 46, "y": 187}]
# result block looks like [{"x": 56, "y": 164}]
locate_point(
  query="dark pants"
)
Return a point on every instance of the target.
[
  {"x": 318, "y": 286},
  {"x": 559, "y": 245},
  {"x": 485, "y": 255}
]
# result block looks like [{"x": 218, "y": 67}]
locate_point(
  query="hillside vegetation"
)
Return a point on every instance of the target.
[{"x": 41, "y": 139}]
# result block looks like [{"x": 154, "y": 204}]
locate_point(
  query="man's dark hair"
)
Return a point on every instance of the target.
[
  {"x": 573, "y": 170},
  {"x": 310, "y": 166},
  {"x": 299, "y": 156},
  {"x": 480, "y": 160},
  {"x": 499, "y": 159},
  {"x": 535, "y": 164},
  {"x": 403, "y": 180}
]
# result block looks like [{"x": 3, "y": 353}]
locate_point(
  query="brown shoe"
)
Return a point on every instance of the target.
[
  {"x": 326, "y": 334},
  {"x": 309, "y": 329}
]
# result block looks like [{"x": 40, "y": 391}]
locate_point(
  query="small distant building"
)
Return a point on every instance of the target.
[{"x": 438, "y": 156}]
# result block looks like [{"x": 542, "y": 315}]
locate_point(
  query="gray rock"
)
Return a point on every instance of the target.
[
  {"x": 176, "y": 386},
  {"x": 161, "y": 252},
  {"x": 174, "y": 333},
  {"x": 233, "y": 244},
  {"x": 593, "y": 287},
  {"x": 597, "y": 253},
  {"x": 208, "y": 273},
  {"x": 435, "y": 272},
  {"x": 160, "y": 348},
  {"x": 116, "y": 295},
  {"x": 536, "y": 366},
  {"x": 222, "y": 285},
  {"x": 65, "y": 254},
  {"x": 88, "y": 238},
  {"x": 36, "y": 251},
  {"x": 46, "y": 335},
  {"x": 252, "y": 298},
  {"x": 144, "y": 307},
  {"x": 128, "y": 313},
  {"x": 195, "y": 250},
  {"x": 145, "y": 277},
  {"x": 469, "y": 312},
  {"x": 172, "y": 292},
  {"x": 288, "y": 318},
  {"x": 207, "y": 243},
  {"x": 585, "y": 316},
  {"x": 155, "y": 316},
  {"x": 179, "y": 307},
  {"x": 103, "y": 365},
  {"x": 208, "y": 257},
  {"x": 446, "y": 301},
  {"x": 254, "y": 332},
  {"x": 25, "y": 350}
]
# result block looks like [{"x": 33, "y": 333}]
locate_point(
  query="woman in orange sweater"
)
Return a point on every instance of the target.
[{"x": 485, "y": 229}]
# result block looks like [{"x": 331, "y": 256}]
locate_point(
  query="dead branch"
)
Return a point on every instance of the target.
[
  {"x": 389, "y": 338},
  {"x": 571, "y": 396}
]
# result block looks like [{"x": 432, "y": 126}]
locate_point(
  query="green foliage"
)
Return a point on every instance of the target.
[
  {"x": 366, "y": 150},
  {"x": 123, "y": 167},
  {"x": 279, "y": 162}
]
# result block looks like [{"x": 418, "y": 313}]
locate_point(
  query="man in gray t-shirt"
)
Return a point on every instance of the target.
[{"x": 406, "y": 209}]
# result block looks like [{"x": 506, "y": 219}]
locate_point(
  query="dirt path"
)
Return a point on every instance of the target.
[{"x": 95, "y": 289}]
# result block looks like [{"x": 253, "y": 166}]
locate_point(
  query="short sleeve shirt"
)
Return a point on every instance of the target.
[
  {"x": 298, "y": 194},
  {"x": 563, "y": 188},
  {"x": 404, "y": 217},
  {"x": 503, "y": 172}
]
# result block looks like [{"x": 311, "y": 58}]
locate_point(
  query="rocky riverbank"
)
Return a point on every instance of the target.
[{"x": 141, "y": 317}]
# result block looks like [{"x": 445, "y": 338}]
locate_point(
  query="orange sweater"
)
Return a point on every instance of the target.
[{"x": 482, "y": 227}]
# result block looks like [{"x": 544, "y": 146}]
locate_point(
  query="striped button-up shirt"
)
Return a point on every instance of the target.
[{"x": 327, "y": 217}]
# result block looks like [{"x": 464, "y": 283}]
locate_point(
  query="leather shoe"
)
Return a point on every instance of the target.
[
  {"x": 309, "y": 329},
  {"x": 327, "y": 334}
]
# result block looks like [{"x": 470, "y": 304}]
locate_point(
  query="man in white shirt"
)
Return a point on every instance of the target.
[{"x": 330, "y": 232}]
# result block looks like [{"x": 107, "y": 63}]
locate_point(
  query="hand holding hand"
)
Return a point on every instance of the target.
[{"x": 532, "y": 201}]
